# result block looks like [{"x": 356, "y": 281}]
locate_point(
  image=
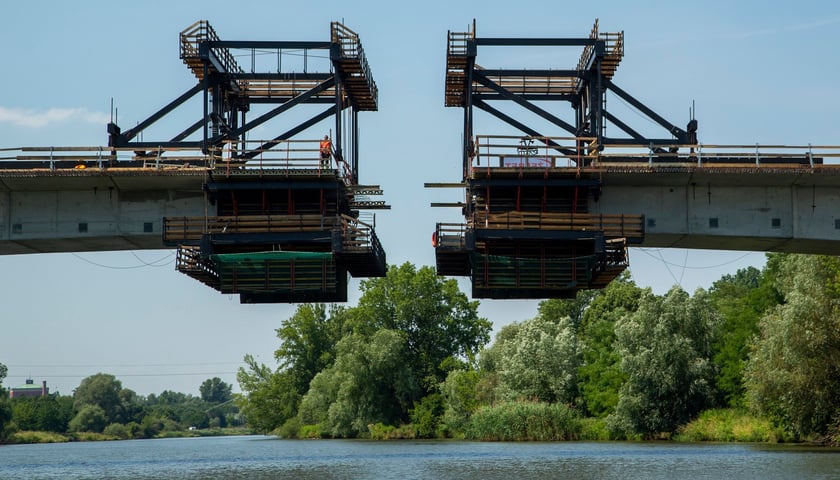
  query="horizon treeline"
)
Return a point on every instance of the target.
[{"x": 414, "y": 360}]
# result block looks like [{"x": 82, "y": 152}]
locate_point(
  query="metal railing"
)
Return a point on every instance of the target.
[
  {"x": 285, "y": 155},
  {"x": 612, "y": 225},
  {"x": 530, "y": 152},
  {"x": 494, "y": 151},
  {"x": 201, "y": 31},
  {"x": 350, "y": 47}
]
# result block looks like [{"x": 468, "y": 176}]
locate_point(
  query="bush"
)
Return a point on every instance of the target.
[
  {"x": 729, "y": 425},
  {"x": 594, "y": 429},
  {"x": 517, "y": 421},
  {"x": 381, "y": 431},
  {"x": 312, "y": 431},
  {"x": 118, "y": 430},
  {"x": 290, "y": 429},
  {"x": 426, "y": 415},
  {"x": 26, "y": 436}
]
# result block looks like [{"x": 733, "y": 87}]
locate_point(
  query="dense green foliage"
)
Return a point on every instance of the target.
[
  {"x": 101, "y": 409},
  {"x": 665, "y": 349},
  {"x": 793, "y": 374},
  {"x": 617, "y": 363},
  {"x": 5, "y": 408},
  {"x": 215, "y": 390},
  {"x": 511, "y": 421},
  {"x": 345, "y": 369}
]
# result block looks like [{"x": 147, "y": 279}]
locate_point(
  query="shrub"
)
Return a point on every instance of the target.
[
  {"x": 729, "y": 425},
  {"x": 26, "y": 436},
  {"x": 517, "y": 421},
  {"x": 118, "y": 430}
]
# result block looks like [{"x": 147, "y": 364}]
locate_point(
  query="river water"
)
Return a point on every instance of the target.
[{"x": 256, "y": 457}]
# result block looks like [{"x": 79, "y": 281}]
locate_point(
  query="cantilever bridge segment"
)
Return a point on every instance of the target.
[
  {"x": 273, "y": 220},
  {"x": 551, "y": 210}
]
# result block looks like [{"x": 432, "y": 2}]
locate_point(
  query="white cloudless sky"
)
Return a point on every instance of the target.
[{"x": 757, "y": 72}]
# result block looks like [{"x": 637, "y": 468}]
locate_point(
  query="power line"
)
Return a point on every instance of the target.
[
  {"x": 706, "y": 267},
  {"x": 121, "y": 365},
  {"x": 180, "y": 374}
]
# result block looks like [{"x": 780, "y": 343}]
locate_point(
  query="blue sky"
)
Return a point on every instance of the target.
[{"x": 758, "y": 72}]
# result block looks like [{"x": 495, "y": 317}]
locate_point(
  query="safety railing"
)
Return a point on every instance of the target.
[
  {"x": 350, "y": 48},
  {"x": 721, "y": 156},
  {"x": 531, "y": 152},
  {"x": 190, "y": 229},
  {"x": 500, "y": 151},
  {"x": 358, "y": 236},
  {"x": 201, "y": 31},
  {"x": 450, "y": 236},
  {"x": 102, "y": 157},
  {"x": 233, "y": 157}
]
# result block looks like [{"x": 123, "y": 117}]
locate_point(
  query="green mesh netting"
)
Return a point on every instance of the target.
[
  {"x": 275, "y": 271},
  {"x": 498, "y": 271},
  {"x": 256, "y": 257}
]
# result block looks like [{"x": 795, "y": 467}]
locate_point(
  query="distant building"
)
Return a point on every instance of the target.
[{"x": 30, "y": 390}]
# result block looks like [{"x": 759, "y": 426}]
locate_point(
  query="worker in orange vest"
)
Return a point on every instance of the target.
[{"x": 326, "y": 151}]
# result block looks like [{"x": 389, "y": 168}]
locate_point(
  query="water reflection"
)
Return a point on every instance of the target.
[{"x": 268, "y": 458}]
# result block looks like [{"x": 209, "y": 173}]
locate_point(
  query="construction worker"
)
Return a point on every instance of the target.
[{"x": 326, "y": 151}]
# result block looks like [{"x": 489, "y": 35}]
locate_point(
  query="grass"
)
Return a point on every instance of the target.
[
  {"x": 26, "y": 436},
  {"x": 524, "y": 421}
]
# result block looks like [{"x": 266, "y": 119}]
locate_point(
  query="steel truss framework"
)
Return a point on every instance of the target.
[
  {"x": 585, "y": 88},
  {"x": 285, "y": 226},
  {"x": 528, "y": 231},
  {"x": 229, "y": 91}
]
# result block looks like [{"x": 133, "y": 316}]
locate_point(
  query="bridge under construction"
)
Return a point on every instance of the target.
[
  {"x": 549, "y": 208},
  {"x": 547, "y": 215},
  {"x": 274, "y": 220}
]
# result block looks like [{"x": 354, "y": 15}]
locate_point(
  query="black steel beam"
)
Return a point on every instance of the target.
[
  {"x": 302, "y": 98},
  {"x": 132, "y": 132},
  {"x": 154, "y": 145},
  {"x": 281, "y": 76},
  {"x": 681, "y": 134},
  {"x": 526, "y": 72},
  {"x": 482, "y": 79},
  {"x": 278, "y": 44},
  {"x": 521, "y": 126},
  {"x": 530, "y": 96},
  {"x": 290, "y": 133},
  {"x": 189, "y": 130},
  {"x": 618, "y": 123},
  {"x": 536, "y": 42}
]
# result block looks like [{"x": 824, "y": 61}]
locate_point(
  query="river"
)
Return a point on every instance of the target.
[{"x": 256, "y": 457}]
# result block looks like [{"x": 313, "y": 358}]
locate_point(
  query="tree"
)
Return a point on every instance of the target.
[
  {"x": 215, "y": 390},
  {"x": 370, "y": 382},
  {"x": 574, "y": 308},
  {"x": 793, "y": 374},
  {"x": 5, "y": 409},
  {"x": 438, "y": 320},
  {"x": 665, "y": 349},
  {"x": 540, "y": 362},
  {"x": 102, "y": 390},
  {"x": 741, "y": 300},
  {"x": 270, "y": 397},
  {"x": 91, "y": 418},
  {"x": 308, "y": 340},
  {"x": 600, "y": 376},
  {"x": 50, "y": 414},
  {"x": 460, "y": 398}
]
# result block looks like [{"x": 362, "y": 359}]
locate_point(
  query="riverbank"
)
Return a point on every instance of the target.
[{"x": 27, "y": 437}]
